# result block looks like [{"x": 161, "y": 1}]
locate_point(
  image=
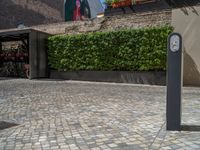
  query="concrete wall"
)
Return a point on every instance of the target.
[
  {"x": 30, "y": 12},
  {"x": 152, "y": 14},
  {"x": 136, "y": 20},
  {"x": 186, "y": 21}
]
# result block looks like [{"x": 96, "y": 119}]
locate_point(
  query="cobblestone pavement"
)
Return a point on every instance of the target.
[{"x": 73, "y": 115}]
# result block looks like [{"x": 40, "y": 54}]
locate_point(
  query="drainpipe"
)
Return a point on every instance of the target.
[
  {"x": 0, "y": 47},
  {"x": 64, "y": 1}
]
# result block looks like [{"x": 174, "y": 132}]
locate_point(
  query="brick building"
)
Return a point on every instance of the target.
[
  {"x": 34, "y": 12},
  {"x": 30, "y": 12}
]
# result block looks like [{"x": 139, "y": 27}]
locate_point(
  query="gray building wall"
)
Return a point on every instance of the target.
[
  {"x": 30, "y": 12},
  {"x": 186, "y": 20}
]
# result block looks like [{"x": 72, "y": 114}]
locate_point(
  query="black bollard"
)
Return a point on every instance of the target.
[{"x": 174, "y": 82}]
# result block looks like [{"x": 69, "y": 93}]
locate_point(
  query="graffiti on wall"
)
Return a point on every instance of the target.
[{"x": 81, "y": 9}]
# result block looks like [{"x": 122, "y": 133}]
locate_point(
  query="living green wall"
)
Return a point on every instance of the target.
[{"x": 125, "y": 50}]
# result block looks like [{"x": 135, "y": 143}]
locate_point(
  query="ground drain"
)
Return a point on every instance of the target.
[{"x": 5, "y": 125}]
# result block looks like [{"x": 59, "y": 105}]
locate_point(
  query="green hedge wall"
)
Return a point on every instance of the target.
[{"x": 126, "y": 50}]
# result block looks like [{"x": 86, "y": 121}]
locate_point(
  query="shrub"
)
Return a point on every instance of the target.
[{"x": 125, "y": 50}]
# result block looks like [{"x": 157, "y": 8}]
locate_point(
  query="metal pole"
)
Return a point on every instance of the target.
[
  {"x": 174, "y": 82},
  {"x": 0, "y": 46}
]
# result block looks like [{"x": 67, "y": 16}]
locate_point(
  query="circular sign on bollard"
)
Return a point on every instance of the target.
[{"x": 175, "y": 42}]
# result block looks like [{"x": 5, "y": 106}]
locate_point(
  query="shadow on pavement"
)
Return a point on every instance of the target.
[
  {"x": 9, "y": 78},
  {"x": 48, "y": 79},
  {"x": 190, "y": 128}
]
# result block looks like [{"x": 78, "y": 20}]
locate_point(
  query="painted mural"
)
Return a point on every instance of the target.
[{"x": 76, "y": 10}]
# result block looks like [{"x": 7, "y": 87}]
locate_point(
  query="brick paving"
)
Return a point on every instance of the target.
[{"x": 73, "y": 115}]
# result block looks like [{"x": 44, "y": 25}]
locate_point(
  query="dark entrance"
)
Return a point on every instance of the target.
[
  {"x": 14, "y": 56},
  {"x": 23, "y": 53}
]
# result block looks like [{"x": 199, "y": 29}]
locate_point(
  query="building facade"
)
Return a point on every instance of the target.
[
  {"x": 30, "y": 12},
  {"x": 35, "y": 12}
]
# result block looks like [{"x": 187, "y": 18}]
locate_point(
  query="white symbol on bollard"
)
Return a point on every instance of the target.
[{"x": 174, "y": 43}]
